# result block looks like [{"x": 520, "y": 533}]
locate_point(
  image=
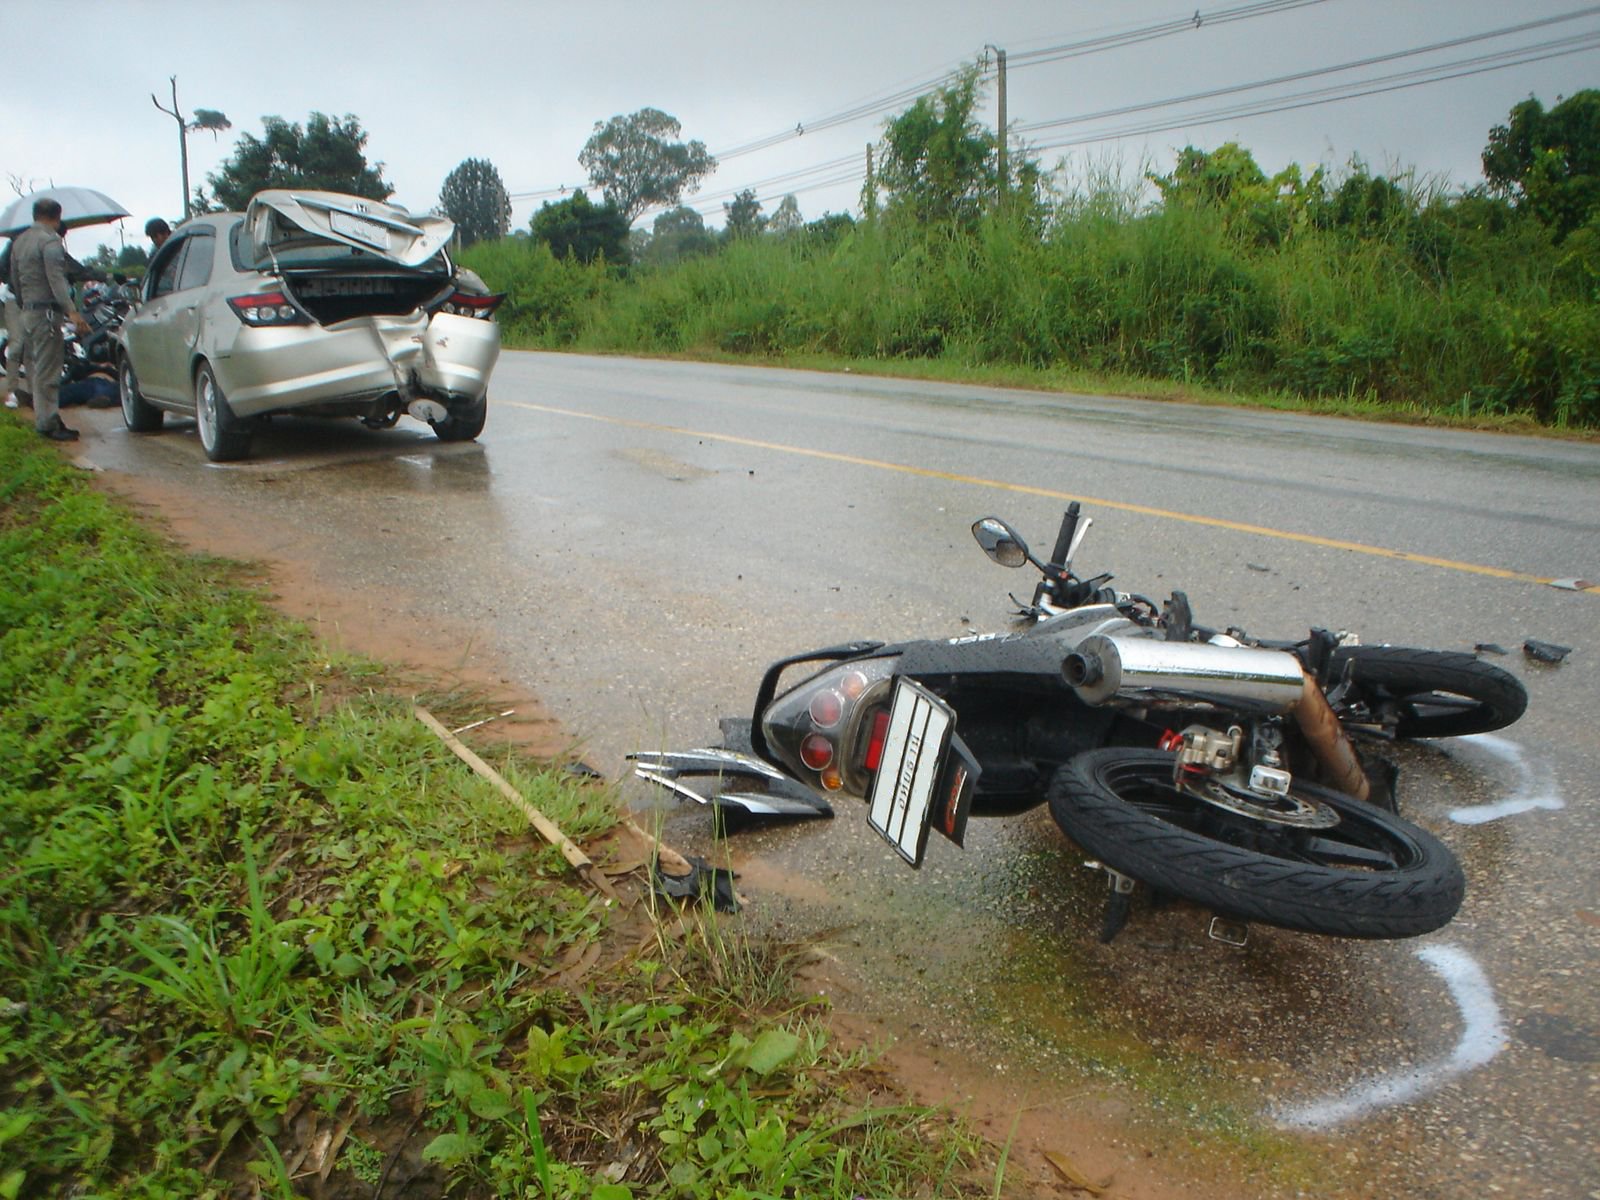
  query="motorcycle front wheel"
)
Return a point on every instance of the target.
[
  {"x": 1370, "y": 875},
  {"x": 1426, "y": 693}
]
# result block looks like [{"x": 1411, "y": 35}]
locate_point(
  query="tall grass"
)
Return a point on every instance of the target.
[{"x": 1422, "y": 309}]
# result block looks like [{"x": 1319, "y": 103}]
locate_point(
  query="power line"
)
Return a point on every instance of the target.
[
  {"x": 1355, "y": 64},
  {"x": 883, "y": 103},
  {"x": 1390, "y": 83}
]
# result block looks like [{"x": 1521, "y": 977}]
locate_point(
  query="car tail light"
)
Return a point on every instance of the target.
[
  {"x": 470, "y": 304},
  {"x": 821, "y": 728},
  {"x": 267, "y": 308}
]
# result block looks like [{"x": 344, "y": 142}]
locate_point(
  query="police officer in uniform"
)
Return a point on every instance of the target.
[{"x": 39, "y": 278}]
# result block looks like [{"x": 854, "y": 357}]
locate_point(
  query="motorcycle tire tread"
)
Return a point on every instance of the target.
[
  {"x": 1421, "y": 896},
  {"x": 1402, "y": 671}
]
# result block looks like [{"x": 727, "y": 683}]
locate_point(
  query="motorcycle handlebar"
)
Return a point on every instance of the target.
[{"x": 1069, "y": 527}]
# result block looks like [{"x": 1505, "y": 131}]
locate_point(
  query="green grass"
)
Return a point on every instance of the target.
[{"x": 257, "y": 922}]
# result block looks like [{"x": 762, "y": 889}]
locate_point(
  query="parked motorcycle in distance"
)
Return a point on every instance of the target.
[{"x": 1202, "y": 763}]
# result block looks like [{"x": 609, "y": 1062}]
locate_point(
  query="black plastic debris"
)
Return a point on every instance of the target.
[
  {"x": 1545, "y": 652},
  {"x": 703, "y": 882},
  {"x": 582, "y": 770},
  {"x": 1490, "y": 648}
]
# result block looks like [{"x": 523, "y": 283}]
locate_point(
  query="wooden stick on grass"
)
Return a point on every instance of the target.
[{"x": 546, "y": 827}]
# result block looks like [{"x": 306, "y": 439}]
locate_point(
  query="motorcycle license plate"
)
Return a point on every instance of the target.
[{"x": 909, "y": 772}]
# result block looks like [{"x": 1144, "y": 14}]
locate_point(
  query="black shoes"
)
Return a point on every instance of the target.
[{"x": 59, "y": 433}]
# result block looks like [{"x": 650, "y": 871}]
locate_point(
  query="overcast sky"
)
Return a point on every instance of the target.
[{"x": 522, "y": 84}]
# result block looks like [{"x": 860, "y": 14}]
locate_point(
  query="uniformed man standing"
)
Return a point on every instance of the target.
[{"x": 39, "y": 277}]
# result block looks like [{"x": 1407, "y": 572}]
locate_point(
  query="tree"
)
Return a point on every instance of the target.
[
  {"x": 204, "y": 118},
  {"x": 475, "y": 199},
  {"x": 636, "y": 164},
  {"x": 677, "y": 234},
  {"x": 1548, "y": 163},
  {"x": 578, "y": 227},
  {"x": 743, "y": 217},
  {"x": 787, "y": 219},
  {"x": 937, "y": 163},
  {"x": 328, "y": 155},
  {"x": 1228, "y": 181},
  {"x": 829, "y": 228}
]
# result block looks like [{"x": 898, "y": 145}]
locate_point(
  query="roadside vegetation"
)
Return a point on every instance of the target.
[
  {"x": 261, "y": 934},
  {"x": 1336, "y": 289}
]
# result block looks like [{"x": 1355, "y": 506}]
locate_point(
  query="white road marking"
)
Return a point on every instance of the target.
[
  {"x": 1482, "y": 1037},
  {"x": 1535, "y": 788}
]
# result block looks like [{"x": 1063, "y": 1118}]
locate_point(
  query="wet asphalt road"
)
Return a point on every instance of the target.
[{"x": 634, "y": 540}]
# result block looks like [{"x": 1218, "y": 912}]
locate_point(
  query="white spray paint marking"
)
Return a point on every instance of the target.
[
  {"x": 1482, "y": 1037},
  {"x": 1534, "y": 789}
]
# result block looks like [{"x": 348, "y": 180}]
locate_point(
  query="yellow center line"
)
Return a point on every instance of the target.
[{"x": 1309, "y": 539}]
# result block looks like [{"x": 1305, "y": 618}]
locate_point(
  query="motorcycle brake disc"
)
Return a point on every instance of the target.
[{"x": 1295, "y": 811}]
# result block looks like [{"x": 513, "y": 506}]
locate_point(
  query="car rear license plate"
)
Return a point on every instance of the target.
[{"x": 908, "y": 774}]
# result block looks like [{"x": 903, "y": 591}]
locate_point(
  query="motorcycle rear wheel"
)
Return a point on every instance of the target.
[
  {"x": 1429, "y": 693},
  {"x": 1372, "y": 875}
]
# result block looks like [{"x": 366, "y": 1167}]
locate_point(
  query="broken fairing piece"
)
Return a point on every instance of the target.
[
  {"x": 779, "y": 796},
  {"x": 703, "y": 882},
  {"x": 1545, "y": 652}
]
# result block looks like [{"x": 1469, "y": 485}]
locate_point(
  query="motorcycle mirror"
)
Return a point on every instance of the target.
[{"x": 1001, "y": 542}]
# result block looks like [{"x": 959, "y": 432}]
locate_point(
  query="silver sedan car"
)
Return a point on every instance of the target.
[{"x": 312, "y": 303}]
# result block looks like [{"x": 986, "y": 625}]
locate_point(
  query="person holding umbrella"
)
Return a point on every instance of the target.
[{"x": 39, "y": 278}]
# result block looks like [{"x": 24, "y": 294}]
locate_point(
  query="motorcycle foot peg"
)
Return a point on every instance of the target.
[{"x": 1228, "y": 931}]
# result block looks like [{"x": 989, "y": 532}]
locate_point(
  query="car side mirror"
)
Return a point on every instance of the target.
[{"x": 1001, "y": 542}]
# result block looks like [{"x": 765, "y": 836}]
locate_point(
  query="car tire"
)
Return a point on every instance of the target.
[
  {"x": 224, "y": 436},
  {"x": 138, "y": 414},
  {"x": 465, "y": 422}
]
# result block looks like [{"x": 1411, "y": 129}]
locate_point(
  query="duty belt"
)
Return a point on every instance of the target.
[{"x": 41, "y": 304}]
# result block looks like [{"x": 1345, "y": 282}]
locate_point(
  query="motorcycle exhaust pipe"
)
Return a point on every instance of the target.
[
  {"x": 1106, "y": 667},
  {"x": 1341, "y": 766}
]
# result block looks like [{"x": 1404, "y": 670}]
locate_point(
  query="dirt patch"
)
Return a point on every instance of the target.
[{"x": 1053, "y": 1134}]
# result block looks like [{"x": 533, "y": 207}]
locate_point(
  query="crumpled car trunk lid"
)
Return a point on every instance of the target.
[{"x": 282, "y": 221}]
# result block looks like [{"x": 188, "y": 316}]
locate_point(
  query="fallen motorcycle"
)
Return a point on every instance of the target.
[{"x": 1203, "y": 763}]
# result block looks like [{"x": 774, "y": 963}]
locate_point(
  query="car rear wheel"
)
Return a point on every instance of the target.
[
  {"x": 138, "y": 414},
  {"x": 225, "y": 437},
  {"x": 465, "y": 422}
]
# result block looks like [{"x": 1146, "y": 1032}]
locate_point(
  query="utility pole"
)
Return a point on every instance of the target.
[
  {"x": 1000, "y": 90},
  {"x": 183, "y": 140}
]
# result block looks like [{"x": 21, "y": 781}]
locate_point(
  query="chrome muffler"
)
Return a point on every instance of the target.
[{"x": 1106, "y": 667}]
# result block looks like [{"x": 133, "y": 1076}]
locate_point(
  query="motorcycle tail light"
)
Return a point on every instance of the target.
[
  {"x": 818, "y": 729},
  {"x": 876, "y": 738},
  {"x": 826, "y": 708},
  {"x": 816, "y": 751},
  {"x": 267, "y": 308},
  {"x": 469, "y": 304}
]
